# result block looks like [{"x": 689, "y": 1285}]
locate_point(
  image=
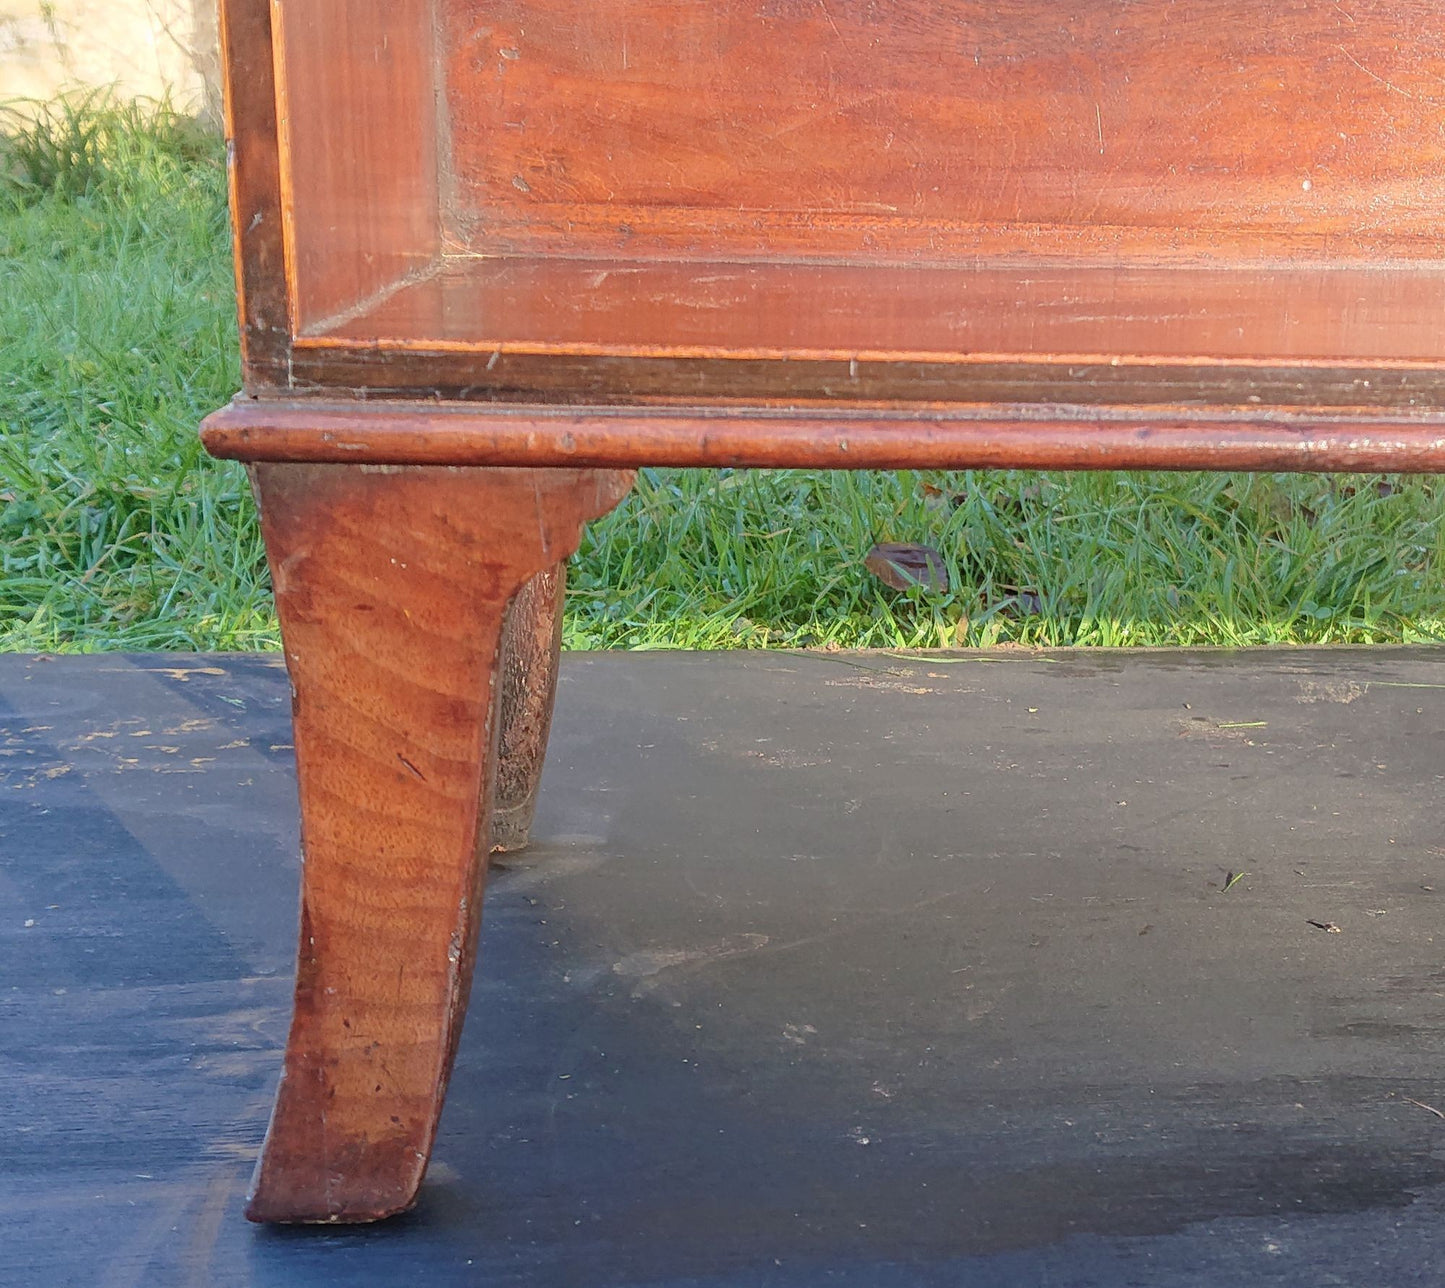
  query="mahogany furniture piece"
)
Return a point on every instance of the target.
[{"x": 492, "y": 254}]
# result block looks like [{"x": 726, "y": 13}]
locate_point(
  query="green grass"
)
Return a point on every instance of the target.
[
  {"x": 116, "y": 315},
  {"x": 117, "y": 334}
]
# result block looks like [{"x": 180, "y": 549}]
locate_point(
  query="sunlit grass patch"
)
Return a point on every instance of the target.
[{"x": 117, "y": 334}]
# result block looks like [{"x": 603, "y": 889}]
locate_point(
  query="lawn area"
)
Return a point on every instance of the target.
[{"x": 117, "y": 334}]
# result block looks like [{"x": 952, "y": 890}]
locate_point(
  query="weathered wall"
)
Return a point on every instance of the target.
[{"x": 138, "y": 48}]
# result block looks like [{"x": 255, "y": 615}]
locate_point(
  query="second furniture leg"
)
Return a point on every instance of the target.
[
  {"x": 392, "y": 586},
  {"x": 531, "y": 648}
]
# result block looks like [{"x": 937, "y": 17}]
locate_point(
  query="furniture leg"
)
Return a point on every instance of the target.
[
  {"x": 531, "y": 648},
  {"x": 392, "y": 585}
]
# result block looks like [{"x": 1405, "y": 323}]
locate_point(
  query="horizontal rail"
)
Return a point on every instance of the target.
[{"x": 399, "y": 433}]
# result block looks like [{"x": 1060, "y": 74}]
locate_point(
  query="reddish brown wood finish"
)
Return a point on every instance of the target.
[
  {"x": 475, "y": 239},
  {"x": 1302, "y": 314},
  {"x": 999, "y": 391},
  {"x": 541, "y": 201},
  {"x": 961, "y": 438},
  {"x": 531, "y": 649},
  {"x": 391, "y": 585},
  {"x": 255, "y": 190},
  {"x": 946, "y": 129},
  {"x": 356, "y": 94}
]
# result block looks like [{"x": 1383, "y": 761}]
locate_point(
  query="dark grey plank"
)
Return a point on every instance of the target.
[{"x": 846, "y": 969}]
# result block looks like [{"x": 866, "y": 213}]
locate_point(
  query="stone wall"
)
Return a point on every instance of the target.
[{"x": 137, "y": 48}]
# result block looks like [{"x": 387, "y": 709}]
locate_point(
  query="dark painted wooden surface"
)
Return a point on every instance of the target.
[{"x": 847, "y": 969}]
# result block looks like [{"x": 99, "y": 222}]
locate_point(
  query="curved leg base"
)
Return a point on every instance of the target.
[
  {"x": 531, "y": 648},
  {"x": 392, "y": 585}
]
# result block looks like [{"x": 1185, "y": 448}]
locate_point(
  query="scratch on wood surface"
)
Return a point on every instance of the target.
[
  {"x": 813, "y": 115},
  {"x": 648, "y": 962},
  {"x": 541, "y": 516},
  {"x": 194, "y": 725},
  {"x": 205, "y": 1233},
  {"x": 1373, "y": 75},
  {"x": 1341, "y": 691},
  {"x": 870, "y": 682},
  {"x": 131, "y": 1263},
  {"x": 652, "y": 967},
  {"x": 823, "y": 5}
]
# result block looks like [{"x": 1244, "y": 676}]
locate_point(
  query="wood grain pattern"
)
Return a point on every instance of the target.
[
  {"x": 948, "y": 128},
  {"x": 1107, "y": 387},
  {"x": 1301, "y": 314},
  {"x": 258, "y": 241},
  {"x": 824, "y": 233},
  {"x": 391, "y": 585},
  {"x": 960, "y": 438},
  {"x": 356, "y": 102},
  {"x": 531, "y": 650},
  {"x": 660, "y": 200}
]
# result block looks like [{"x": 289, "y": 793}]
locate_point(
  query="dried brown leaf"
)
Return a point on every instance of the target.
[{"x": 901, "y": 565}]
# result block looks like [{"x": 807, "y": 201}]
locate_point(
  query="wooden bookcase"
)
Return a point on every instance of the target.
[
  {"x": 493, "y": 254},
  {"x": 958, "y": 229}
]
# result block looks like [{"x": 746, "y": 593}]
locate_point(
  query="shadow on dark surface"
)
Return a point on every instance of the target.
[{"x": 822, "y": 971}]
